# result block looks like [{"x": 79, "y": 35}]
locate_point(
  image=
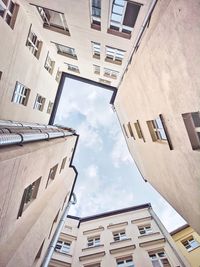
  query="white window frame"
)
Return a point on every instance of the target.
[
  {"x": 97, "y": 69},
  {"x": 125, "y": 262},
  {"x": 6, "y": 10},
  {"x": 111, "y": 73},
  {"x": 49, "y": 64},
  {"x": 43, "y": 16},
  {"x": 93, "y": 241},
  {"x": 96, "y": 49},
  {"x": 190, "y": 243},
  {"x": 145, "y": 229},
  {"x": 72, "y": 67},
  {"x": 66, "y": 50},
  {"x": 49, "y": 108},
  {"x": 119, "y": 236},
  {"x": 114, "y": 54},
  {"x": 33, "y": 43},
  {"x": 64, "y": 246},
  {"x": 158, "y": 259},
  {"x": 39, "y": 102},
  {"x": 20, "y": 94},
  {"x": 93, "y": 16}
]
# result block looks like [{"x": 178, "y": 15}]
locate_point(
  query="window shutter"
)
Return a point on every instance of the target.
[{"x": 131, "y": 14}]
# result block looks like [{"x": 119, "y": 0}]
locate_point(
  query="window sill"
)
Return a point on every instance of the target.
[
  {"x": 88, "y": 248},
  {"x": 120, "y": 34},
  {"x": 120, "y": 241},
  {"x": 56, "y": 29},
  {"x": 96, "y": 56},
  {"x": 96, "y": 27},
  {"x": 193, "y": 249}
]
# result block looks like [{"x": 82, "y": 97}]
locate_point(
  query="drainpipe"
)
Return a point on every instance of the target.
[
  {"x": 169, "y": 239},
  {"x": 56, "y": 235}
]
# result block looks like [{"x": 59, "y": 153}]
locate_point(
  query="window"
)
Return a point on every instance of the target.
[
  {"x": 130, "y": 130},
  {"x": 49, "y": 64},
  {"x": 114, "y": 55},
  {"x": 9, "y": 11},
  {"x": 111, "y": 73},
  {"x": 33, "y": 43},
  {"x": 125, "y": 262},
  {"x": 54, "y": 221},
  {"x": 93, "y": 241},
  {"x": 190, "y": 243},
  {"x": 139, "y": 130},
  {"x": 53, "y": 20},
  {"x": 159, "y": 259},
  {"x": 118, "y": 236},
  {"x": 145, "y": 230},
  {"x": 63, "y": 246},
  {"x": 58, "y": 75},
  {"x": 66, "y": 51},
  {"x": 73, "y": 68},
  {"x": 39, "y": 102},
  {"x": 96, "y": 50},
  {"x": 156, "y": 130},
  {"x": 30, "y": 193},
  {"x": 21, "y": 94},
  {"x": 39, "y": 252},
  {"x": 94, "y": 265},
  {"x": 104, "y": 81},
  {"x": 63, "y": 164},
  {"x": 52, "y": 174},
  {"x": 123, "y": 17},
  {"x": 96, "y": 69},
  {"x": 192, "y": 125},
  {"x": 49, "y": 108},
  {"x": 96, "y": 14},
  {"x": 1, "y": 74}
]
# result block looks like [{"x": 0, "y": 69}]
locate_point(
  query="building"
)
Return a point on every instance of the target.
[
  {"x": 188, "y": 241},
  {"x": 36, "y": 182},
  {"x": 42, "y": 39},
  {"x": 158, "y": 105},
  {"x": 132, "y": 236}
]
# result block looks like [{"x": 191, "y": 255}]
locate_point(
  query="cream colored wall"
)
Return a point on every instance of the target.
[
  {"x": 193, "y": 256},
  {"x": 163, "y": 79},
  {"x": 20, "y": 166},
  {"x": 105, "y": 227},
  {"x": 19, "y": 64}
]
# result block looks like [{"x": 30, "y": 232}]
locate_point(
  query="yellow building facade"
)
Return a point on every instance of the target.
[{"x": 188, "y": 241}]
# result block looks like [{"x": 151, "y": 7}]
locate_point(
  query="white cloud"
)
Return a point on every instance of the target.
[{"x": 120, "y": 153}]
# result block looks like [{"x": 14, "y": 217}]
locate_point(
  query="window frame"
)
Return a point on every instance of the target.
[
  {"x": 50, "y": 107},
  {"x": 49, "y": 64},
  {"x": 119, "y": 235},
  {"x": 139, "y": 130},
  {"x": 65, "y": 246},
  {"x": 159, "y": 258},
  {"x": 52, "y": 174},
  {"x": 33, "y": 43},
  {"x": 39, "y": 105},
  {"x": 189, "y": 245},
  {"x": 95, "y": 19},
  {"x": 96, "y": 69},
  {"x": 93, "y": 241},
  {"x": 144, "y": 228},
  {"x": 96, "y": 50},
  {"x": 72, "y": 67},
  {"x": 20, "y": 94},
  {"x": 11, "y": 13},
  {"x": 112, "y": 55},
  {"x": 66, "y": 51},
  {"x": 113, "y": 74},
  {"x": 29, "y": 195},
  {"x": 125, "y": 262},
  {"x": 63, "y": 163}
]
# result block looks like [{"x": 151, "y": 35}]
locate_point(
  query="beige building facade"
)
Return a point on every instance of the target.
[
  {"x": 188, "y": 241},
  {"x": 128, "y": 237},
  {"x": 42, "y": 39},
  {"x": 36, "y": 181},
  {"x": 158, "y": 106}
]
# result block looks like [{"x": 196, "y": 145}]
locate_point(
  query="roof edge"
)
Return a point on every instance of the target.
[{"x": 179, "y": 229}]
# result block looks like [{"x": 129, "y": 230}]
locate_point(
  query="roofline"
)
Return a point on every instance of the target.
[
  {"x": 179, "y": 229},
  {"x": 81, "y": 79},
  {"x": 109, "y": 213}
]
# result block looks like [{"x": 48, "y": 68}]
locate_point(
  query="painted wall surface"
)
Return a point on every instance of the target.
[
  {"x": 192, "y": 256},
  {"x": 136, "y": 245},
  {"x": 163, "y": 79},
  {"x": 21, "y": 238}
]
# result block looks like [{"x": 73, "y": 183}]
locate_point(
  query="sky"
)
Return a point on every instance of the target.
[{"x": 107, "y": 176}]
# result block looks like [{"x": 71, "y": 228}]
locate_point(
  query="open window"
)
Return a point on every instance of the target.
[{"x": 9, "y": 11}]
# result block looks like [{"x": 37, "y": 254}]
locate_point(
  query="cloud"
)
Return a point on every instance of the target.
[{"x": 120, "y": 153}]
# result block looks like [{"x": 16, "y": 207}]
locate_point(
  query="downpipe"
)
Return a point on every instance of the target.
[{"x": 56, "y": 235}]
